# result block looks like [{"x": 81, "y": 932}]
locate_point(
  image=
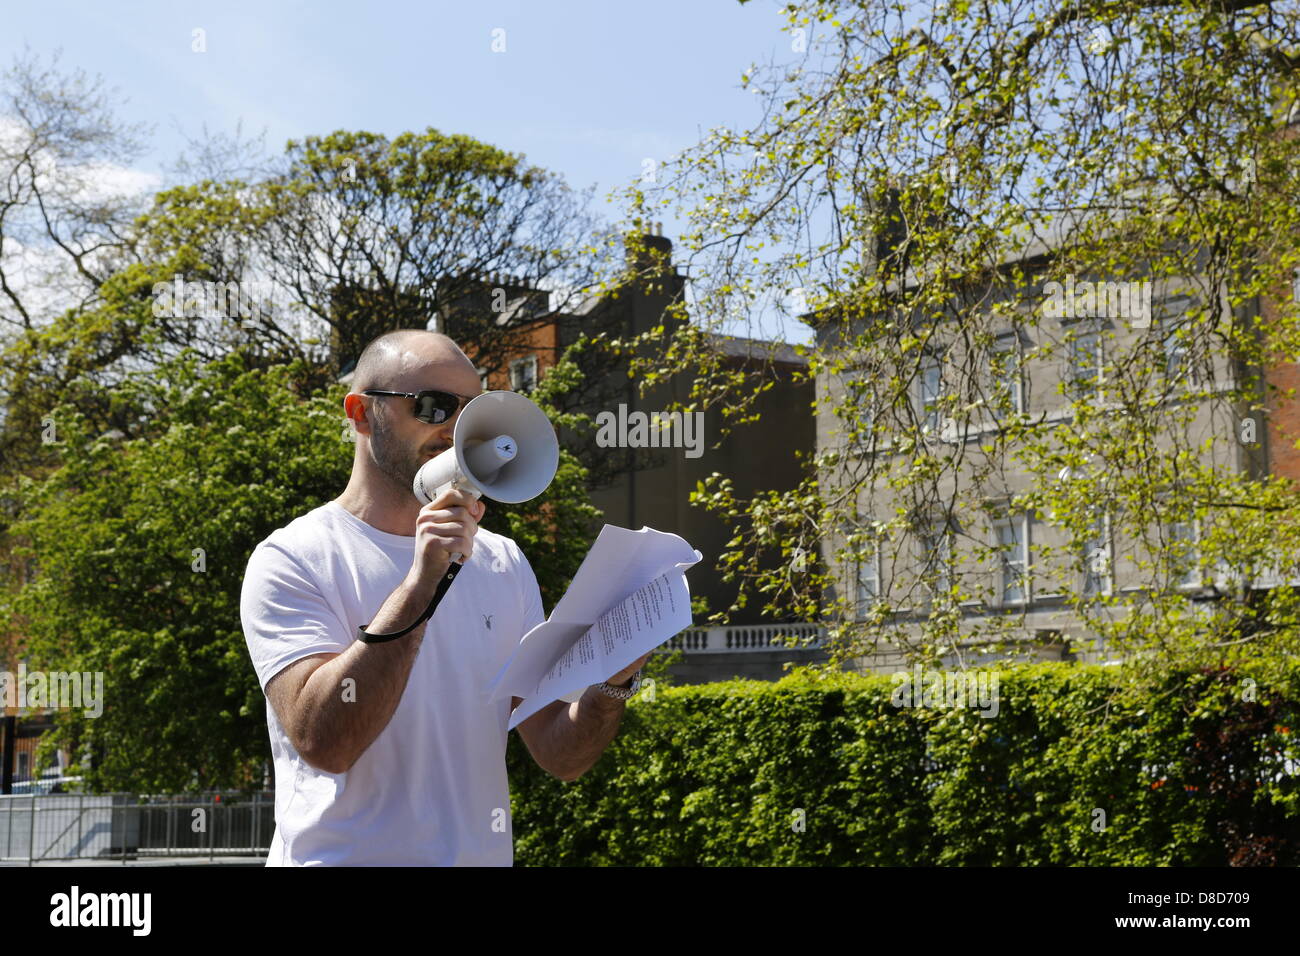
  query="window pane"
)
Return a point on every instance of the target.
[
  {"x": 1011, "y": 538},
  {"x": 868, "y": 581},
  {"x": 523, "y": 374},
  {"x": 931, "y": 391},
  {"x": 1182, "y": 553},
  {"x": 1177, "y": 364},
  {"x": 936, "y": 550},
  {"x": 1085, "y": 365},
  {"x": 862, "y": 404}
]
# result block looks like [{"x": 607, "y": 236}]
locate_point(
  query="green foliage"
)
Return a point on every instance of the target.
[
  {"x": 1188, "y": 774},
  {"x": 229, "y": 456}
]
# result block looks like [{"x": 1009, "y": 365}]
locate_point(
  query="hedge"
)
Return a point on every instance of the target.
[{"x": 822, "y": 770}]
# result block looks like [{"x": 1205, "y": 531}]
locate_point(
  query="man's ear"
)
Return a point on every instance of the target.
[{"x": 355, "y": 409}]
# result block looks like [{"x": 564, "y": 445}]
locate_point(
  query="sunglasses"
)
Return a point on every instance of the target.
[{"x": 431, "y": 405}]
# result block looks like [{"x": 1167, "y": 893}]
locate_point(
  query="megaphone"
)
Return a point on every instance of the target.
[{"x": 503, "y": 447}]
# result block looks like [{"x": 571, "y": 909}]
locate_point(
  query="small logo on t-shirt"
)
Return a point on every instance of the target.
[{"x": 487, "y": 620}]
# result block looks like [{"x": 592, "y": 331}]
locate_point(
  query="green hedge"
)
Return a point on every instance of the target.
[{"x": 1187, "y": 774}]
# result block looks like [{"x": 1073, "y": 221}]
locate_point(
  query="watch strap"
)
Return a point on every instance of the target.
[{"x": 621, "y": 693}]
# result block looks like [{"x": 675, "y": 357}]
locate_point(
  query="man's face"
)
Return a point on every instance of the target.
[{"x": 400, "y": 443}]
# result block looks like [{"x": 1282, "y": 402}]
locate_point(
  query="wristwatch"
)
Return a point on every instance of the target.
[{"x": 621, "y": 693}]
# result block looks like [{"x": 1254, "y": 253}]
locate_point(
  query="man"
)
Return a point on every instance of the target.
[{"x": 391, "y": 753}]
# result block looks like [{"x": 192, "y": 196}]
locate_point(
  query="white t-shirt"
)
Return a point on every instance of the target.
[{"x": 431, "y": 789}]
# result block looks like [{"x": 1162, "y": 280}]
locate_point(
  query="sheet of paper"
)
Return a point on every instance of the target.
[{"x": 628, "y": 597}]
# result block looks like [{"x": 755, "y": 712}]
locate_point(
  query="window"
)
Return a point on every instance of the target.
[
  {"x": 1180, "y": 541},
  {"x": 1084, "y": 375},
  {"x": 861, "y": 409},
  {"x": 1095, "y": 558},
  {"x": 868, "y": 577},
  {"x": 863, "y": 542},
  {"x": 523, "y": 374},
  {"x": 931, "y": 392},
  {"x": 1006, "y": 367},
  {"x": 935, "y": 539},
  {"x": 22, "y": 772},
  {"x": 1012, "y": 534},
  {"x": 539, "y": 303},
  {"x": 1176, "y": 364}
]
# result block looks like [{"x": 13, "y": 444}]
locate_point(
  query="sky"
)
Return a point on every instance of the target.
[{"x": 589, "y": 90}]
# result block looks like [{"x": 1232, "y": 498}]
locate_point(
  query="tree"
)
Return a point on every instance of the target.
[
  {"x": 344, "y": 237},
  {"x": 918, "y": 180},
  {"x": 66, "y": 205}
]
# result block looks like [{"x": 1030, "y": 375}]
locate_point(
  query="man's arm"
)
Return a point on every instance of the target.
[
  {"x": 567, "y": 739},
  {"x": 330, "y": 726}
]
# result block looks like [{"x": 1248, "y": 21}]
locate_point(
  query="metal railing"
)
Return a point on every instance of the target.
[
  {"x": 75, "y": 826},
  {"x": 753, "y": 637}
]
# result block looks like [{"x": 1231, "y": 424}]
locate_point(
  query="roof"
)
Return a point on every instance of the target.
[{"x": 741, "y": 347}]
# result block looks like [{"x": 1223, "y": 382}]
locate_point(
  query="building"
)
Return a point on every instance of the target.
[{"x": 961, "y": 550}]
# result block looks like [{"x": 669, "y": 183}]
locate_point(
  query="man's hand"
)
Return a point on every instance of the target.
[
  {"x": 444, "y": 526},
  {"x": 567, "y": 739}
]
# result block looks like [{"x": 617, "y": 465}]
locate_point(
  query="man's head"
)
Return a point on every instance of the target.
[{"x": 392, "y": 443}]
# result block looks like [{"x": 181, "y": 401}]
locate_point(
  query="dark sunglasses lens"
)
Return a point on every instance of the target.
[{"x": 435, "y": 407}]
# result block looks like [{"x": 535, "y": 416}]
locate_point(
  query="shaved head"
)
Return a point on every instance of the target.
[{"x": 393, "y": 354}]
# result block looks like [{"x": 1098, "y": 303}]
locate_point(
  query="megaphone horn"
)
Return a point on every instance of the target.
[{"x": 503, "y": 447}]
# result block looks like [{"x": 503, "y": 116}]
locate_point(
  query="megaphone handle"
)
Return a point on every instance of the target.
[
  {"x": 456, "y": 556},
  {"x": 453, "y": 569}
]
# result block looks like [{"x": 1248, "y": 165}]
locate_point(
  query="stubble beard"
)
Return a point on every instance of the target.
[{"x": 395, "y": 462}]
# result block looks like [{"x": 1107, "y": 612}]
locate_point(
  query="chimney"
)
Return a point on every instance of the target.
[{"x": 655, "y": 253}]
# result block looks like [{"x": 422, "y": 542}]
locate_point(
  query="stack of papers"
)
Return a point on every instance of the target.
[{"x": 628, "y": 597}]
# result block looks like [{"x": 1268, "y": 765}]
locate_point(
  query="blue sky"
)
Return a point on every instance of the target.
[{"x": 587, "y": 89}]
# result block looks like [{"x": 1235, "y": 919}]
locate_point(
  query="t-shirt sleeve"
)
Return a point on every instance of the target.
[{"x": 284, "y": 614}]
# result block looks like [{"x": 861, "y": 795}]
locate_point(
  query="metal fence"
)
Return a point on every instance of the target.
[{"x": 74, "y": 826}]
